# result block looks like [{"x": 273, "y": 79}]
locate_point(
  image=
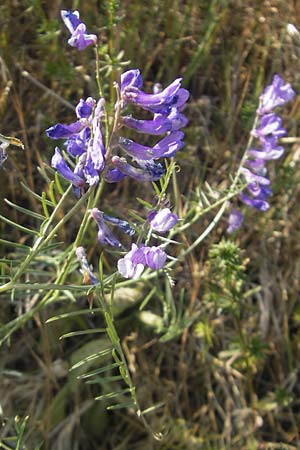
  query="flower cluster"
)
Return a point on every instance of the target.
[
  {"x": 84, "y": 141},
  {"x": 167, "y": 119},
  {"x": 134, "y": 262},
  {"x": 84, "y": 144},
  {"x": 79, "y": 38},
  {"x": 86, "y": 158},
  {"x": 267, "y": 133}
]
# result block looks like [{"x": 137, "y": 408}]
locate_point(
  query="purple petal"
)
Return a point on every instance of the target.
[
  {"x": 162, "y": 221},
  {"x": 155, "y": 257},
  {"x": 275, "y": 153},
  {"x": 58, "y": 163},
  {"x": 165, "y": 148},
  {"x": 169, "y": 145},
  {"x": 253, "y": 178},
  {"x": 258, "y": 191},
  {"x": 131, "y": 78},
  {"x": 75, "y": 146},
  {"x": 159, "y": 125},
  {"x": 80, "y": 40},
  {"x": 130, "y": 270},
  {"x": 113, "y": 176},
  {"x": 71, "y": 19},
  {"x": 235, "y": 220},
  {"x": 96, "y": 149},
  {"x": 85, "y": 108},
  {"x": 270, "y": 124},
  {"x": 261, "y": 205},
  {"x": 157, "y": 101},
  {"x": 276, "y": 94},
  {"x": 90, "y": 172},
  {"x": 60, "y": 131}
]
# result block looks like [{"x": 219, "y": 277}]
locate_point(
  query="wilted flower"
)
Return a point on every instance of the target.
[
  {"x": 79, "y": 38},
  {"x": 149, "y": 171},
  {"x": 86, "y": 269},
  {"x": 105, "y": 236}
]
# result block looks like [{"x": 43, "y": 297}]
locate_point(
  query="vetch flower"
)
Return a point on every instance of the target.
[
  {"x": 165, "y": 104},
  {"x": 114, "y": 175},
  {"x": 134, "y": 262},
  {"x": 152, "y": 102},
  {"x": 155, "y": 257},
  {"x": 268, "y": 131},
  {"x": 270, "y": 124},
  {"x": 235, "y": 220},
  {"x": 79, "y": 38},
  {"x": 61, "y": 131},
  {"x": 131, "y": 78},
  {"x": 58, "y": 163},
  {"x": 83, "y": 139},
  {"x": 165, "y": 148},
  {"x": 163, "y": 220},
  {"x": 160, "y": 124},
  {"x": 276, "y": 94}
]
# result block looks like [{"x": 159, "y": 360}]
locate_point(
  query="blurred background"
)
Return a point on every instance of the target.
[{"x": 224, "y": 359}]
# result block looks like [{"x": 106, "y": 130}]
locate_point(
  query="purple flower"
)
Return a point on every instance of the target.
[
  {"x": 253, "y": 178},
  {"x": 114, "y": 175},
  {"x": 84, "y": 139},
  {"x": 235, "y": 220},
  {"x": 155, "y": 257},
  {"x": 256, "y": 203},
  {"x": 131, "y": 78},
  {"x": 85, "y": 108},
  {"x": 60, "y": 131},
  {"x": 160, "y": 124},
  {"x": 268, "y": 132},
  {"x": 105, "y": 236},
  {"x": 270, "y": 124},
  {"x": 134, "y": 262},
  {"x": 165, "y": 148},
  {"x": 163, "y": 220},
  {"x": 149, "y": 172},
  {"x": 95, "y": 155},
  {"x": 77, "y": 145},
  {"x": 161, "y": 102},
  {"x": 276, "y": 94},
  {"x": 274, "y": 153},
  {"x": 58, "y": 163},
  {"x": 79, "y": 38}
]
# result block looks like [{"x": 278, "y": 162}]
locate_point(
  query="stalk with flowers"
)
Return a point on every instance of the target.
[{"x": 93, "y": 152}]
